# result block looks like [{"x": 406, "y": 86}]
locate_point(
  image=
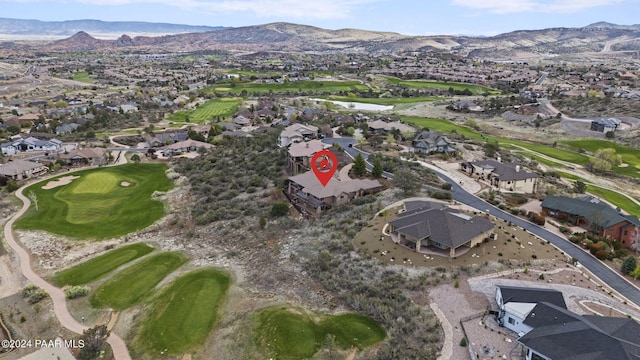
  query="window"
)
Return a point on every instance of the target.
[{"x": 512, "y": 321}]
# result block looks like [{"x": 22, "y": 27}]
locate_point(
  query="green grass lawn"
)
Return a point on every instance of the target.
[
  {"x": 475, "y": 89},
  {"x": 83, "y": 76},
  {"x": 616, "y": 199},
  {"x": 96, "y": 205},
  {"x": 540, "y": 159},
  {"x": 184, "y": 312},
  {"x": 94, "y": 269},
  {"x": 629, "y": 155},
  {"x": 208, "y": 111},
  {"x": 131, "y": 285},
  {"x": 291, "y": 333},
  {"x": 443, "y": 126},
  {"x": 307, "y": 85}
]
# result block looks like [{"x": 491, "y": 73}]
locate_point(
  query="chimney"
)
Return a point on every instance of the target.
[{"x": 517, "y": 168}]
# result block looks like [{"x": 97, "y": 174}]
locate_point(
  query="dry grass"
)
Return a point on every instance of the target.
[{"x": 513, "y": 243}]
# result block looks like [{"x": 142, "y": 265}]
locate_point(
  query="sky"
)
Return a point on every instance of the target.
[{"x": 409, "y": 17}]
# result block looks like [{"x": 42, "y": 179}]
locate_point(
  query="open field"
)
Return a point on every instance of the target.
[
  {"x": 443, "y": 126},
  {"x": 184, "y": 312},
  {"x": 629, "y": 155},
  {"x": 83, "y": 76},
  {"x": 92, "y": 270},
  {"x": 291, "y": 333},
  {"x": 96, "y": 205},
  {"x": 308, "y": 86},
  {"x": 208, "y": 111},
  {"x": 475, "y": 89},
  {"x": 132, "y": 284}
]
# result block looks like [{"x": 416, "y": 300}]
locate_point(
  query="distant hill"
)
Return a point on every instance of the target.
[
  {"x": 523, "y": 44},
  {"x": 94, "y": 27},
  {"x": 604, "y": 24}
]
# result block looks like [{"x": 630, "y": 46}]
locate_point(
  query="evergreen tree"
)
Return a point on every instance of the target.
[
  {"x": 377, "y": 168},
  {"x": 628, "y": 265},
  {"x": 359, "y": 166}
]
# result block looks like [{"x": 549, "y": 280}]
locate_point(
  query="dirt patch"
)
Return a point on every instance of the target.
[
  {"x": 65, "y": 180},
  {"x": 125, "y": 184},
  {"x": 513, "y": 245}
]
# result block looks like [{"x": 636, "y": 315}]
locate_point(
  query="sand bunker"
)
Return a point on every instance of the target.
[
  {"x": 59, "y": 182},
  {"x": 125, "y": 184},
  {"x": 623, "y": 165}
]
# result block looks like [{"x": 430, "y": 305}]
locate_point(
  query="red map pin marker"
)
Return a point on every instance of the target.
[{"x": 324, "y": 164}]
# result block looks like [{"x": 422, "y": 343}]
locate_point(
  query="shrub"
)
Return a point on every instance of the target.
[
  {"x": 463, "y": 342},
  {"x": 74, "y": 292},
  {"x": 541, "y": 277},
  {"x": 456, "y": 284},
  {"x": 279, "y": 209},
  {"x": 446, "y": 186},
  {"x": 33, "y": 294}
]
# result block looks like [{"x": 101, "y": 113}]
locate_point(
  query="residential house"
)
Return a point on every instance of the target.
[
  {"x": 21, "y": 169},
  {"x": 428, "y": 142},
  {"x": 185, "y": 146},
  {"x": 595, "y": 215},
  {"x": 86, "y": 156},
  {"x": 241, "y": 121},
  {"x": 548, "y": 331},
  {"x": 300, "y": 154},
  {"x": 66, "y": 128},
  {"x": 605, "y": 125},
  {"x": 297, "y": 133},
  {"x": 309, "y": 195},
  {"x": 29, "y": 144},
  {"x": 430, "y": 227},
  {"x": 515, "y": 304},
  {"x": 381, "y": 126},
  {"x": 165, "y": 138},
  {"x": 503, "y": 176}
]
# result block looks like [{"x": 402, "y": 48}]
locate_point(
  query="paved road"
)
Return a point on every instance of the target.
[
  {"x": 594, "y": 265},
  {"x": 459, "y": 194},
  {"x": 118, "y": 346}
]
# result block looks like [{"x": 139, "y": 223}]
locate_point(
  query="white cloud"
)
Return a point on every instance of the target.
[
  {"x": 309, "y": 9},
  {"x": 540, "y": 6}
]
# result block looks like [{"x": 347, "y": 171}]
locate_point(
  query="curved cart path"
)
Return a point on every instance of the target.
[{"x": 120, "y": 351}]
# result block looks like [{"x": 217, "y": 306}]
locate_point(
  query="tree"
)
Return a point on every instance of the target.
[
  {"x": 629, "y": 264},
  {"x": 135, "y": 158},
  {"x": 377, "y": 168},
  {"x": 580, "y": 187},
  {"x": 635, "y": 273},
  {"x": 406, "y": 180},
  {"x": 279, "y": 209},
  {"x": 95, "y": 340},
  {"x": 605, "y": 159},
  {"x": 359, "y": 166}
]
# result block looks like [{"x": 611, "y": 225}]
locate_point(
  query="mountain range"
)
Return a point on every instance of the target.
[
  {"x": 594, "y": 38},
  {"x": 96, "y": 27}
]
